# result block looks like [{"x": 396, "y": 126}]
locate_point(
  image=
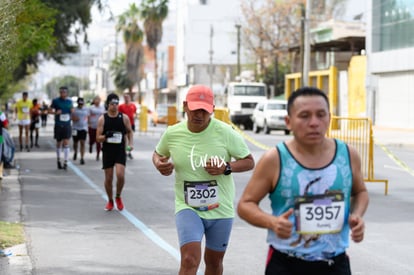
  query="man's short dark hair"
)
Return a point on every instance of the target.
[
  {"x": 25, "y": 93},
  {"x": 63, "y": 88},
  {"x": 305, "y": 91},
  {"x": 110, "y": 97}
]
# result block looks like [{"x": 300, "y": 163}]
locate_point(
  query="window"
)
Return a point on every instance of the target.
[
  {"x": 249, "y": 90},
  {"x": 392, "y": 24},
  {"x": 276, "y": 106}
]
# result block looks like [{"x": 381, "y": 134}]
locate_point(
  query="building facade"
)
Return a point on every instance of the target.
[
  {"x": 390, "y": 66},
  {"x": 207, "y": 44}
]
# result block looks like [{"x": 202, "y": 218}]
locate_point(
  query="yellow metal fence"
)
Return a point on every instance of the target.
[{"x": 358, "y": 133}]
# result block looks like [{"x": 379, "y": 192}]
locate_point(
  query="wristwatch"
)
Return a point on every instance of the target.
[{"x": 227, "y": 170}]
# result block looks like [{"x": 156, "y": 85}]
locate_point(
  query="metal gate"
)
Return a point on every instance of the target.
[{"x": 358, "y": 133}]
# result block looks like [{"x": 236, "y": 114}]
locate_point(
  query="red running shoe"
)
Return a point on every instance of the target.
[
  {"x": 119, "y": 203},
  {"x": 109, "y": 206}
]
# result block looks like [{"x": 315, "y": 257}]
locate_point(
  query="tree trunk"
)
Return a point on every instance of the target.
[
  {"x": 155, "y": 78},
  {"x": 276, "y": 76},
  {"x": 139, "y": 99}
]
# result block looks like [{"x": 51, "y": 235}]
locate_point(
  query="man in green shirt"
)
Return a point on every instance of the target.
[{"x": 204, "y": 152}]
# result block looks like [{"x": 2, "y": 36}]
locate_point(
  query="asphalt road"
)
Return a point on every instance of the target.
[{"x": 68, "y": 232}]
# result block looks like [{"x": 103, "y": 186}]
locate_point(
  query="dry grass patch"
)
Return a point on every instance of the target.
[{"x": 11, "y": 234}]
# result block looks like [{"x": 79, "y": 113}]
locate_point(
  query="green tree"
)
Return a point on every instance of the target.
[
  {"x": 31, "y": 30},
  {"x": 119, "y": 72},
  {"x": 8, "y": 39},
  {"x": 154, "y": 12},
  {"x": 26, "y": 29},
  {"x": 72, "y": 19},
  {"x": 133, "y": 37},
  {"x": 271, "y": 27},
  {"x": 270, "y": 75},
  {"x": 35, "y": 27},
  {"x": 72, "y": 82}
]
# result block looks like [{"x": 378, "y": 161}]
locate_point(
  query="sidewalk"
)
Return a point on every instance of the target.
[
  {"x": 98, "y": 228},
  {"x": 393, "y": 136},
  {"x": 18, "y": 263}
]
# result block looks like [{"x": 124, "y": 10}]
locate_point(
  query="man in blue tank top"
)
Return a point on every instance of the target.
[{"x": 310, "y": 181}]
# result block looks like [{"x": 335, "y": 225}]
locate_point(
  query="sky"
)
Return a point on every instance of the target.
[{"x": 100, "y": 32}]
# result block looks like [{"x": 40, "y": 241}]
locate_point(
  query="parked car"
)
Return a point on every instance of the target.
[{"x": 270, "y": 115}]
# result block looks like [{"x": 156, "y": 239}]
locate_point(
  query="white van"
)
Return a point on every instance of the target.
[{"x": 241, "y": 99}]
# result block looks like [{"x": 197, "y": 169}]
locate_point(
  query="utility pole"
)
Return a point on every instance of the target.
[
  {"x": 116, "y": 44},
  {"x": 275, "y": 76},
  {"x": 302, "y": 41},
  {"x": 306, "y": 50},
  {"x": 211, "y": 52},
  {"x": 238, "y": 26}
]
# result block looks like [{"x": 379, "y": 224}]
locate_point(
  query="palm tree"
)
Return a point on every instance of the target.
[
  {"x": 119, "y": 72},
  {"x": 154, "y": 12},
  {"x": 133, "y": 37}
]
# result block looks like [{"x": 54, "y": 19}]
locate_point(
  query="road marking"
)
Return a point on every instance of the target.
[
  {"x": 399, "y": 162},
  {"x": 393, "y": 167},
  {"x": 250, "y": 139},
  {"x": 130, "y": 217}
]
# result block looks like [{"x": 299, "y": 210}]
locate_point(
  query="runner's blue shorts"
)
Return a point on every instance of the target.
[{"x": 191, "y": 228}]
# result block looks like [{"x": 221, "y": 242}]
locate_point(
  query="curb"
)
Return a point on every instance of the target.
[
  {"x": 19, "y": 262},
  {"x": 15, "y": 260}
]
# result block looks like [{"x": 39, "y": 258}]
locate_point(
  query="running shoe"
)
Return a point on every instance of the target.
[
  {"x": 109, "y": 206},
  {"x": 119, "y": 203},
  {"x": 65, "y": 165},
  {"x": 75, "y": 155},
  {"x": 82, "y": 162},
  {"x": 59, "y": 165}
]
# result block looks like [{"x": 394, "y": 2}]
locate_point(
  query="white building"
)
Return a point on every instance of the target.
[
  {"x": 206, "y": 44},
  {"x": 390, "y": 66}
]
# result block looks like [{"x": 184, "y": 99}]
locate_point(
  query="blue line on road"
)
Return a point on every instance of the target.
[{"x": 131, "y": 218}]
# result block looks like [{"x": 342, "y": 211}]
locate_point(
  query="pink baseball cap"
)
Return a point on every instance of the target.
[{"x": 200, "y": 97}]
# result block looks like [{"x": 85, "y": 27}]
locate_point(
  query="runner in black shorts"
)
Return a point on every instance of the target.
[
  {"x": 79, "y": 129},
  {"x": 109, "y": 160},
  {"x": 62, "y": 132},
  {"x": 62, "y": 108},
  {"x": 115, "y": 132}
]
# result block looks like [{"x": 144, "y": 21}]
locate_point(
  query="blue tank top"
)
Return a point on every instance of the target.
[
  {"x": 65, "y": 105},
  {"x": 293, "y": 180}
]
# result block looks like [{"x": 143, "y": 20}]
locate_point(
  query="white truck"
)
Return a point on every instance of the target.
[{"x": 241, "y": 99}]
